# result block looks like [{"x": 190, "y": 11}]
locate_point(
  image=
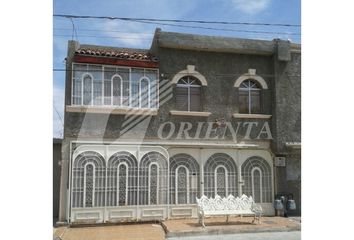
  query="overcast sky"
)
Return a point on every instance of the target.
[{"x": 139, "y": 35}]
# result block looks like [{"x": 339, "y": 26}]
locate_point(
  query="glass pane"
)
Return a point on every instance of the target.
[
  {"x": 255, "y": 102},
  {"x": 257, "y": 186},
  {"x": 182, "y": 98},
  {"x": 153, "y": 184},
  {"x": 221, "y": 182},
  {"x": 79, "y": 70},
  {"x": 97, "y": 92},
  {"x": 243, "y": 101},
  {"x": 122, "y": 183},
  {"x": 117, "y": 91},
  {"x": 89, "y": 186},
  {"x": 87, "y": 90},
  {"x": 107, "y": 91},
  {"x": 182, "y": 185},
  {"x": 77, "y": 92},
  {"x": 144, "y": 93}
]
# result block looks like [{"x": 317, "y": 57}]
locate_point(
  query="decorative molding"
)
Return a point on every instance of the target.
[
  {"x": 245, "y": 115},
  {"x": 251, "y": 75},
  {"x": 189, "y": 71},
  {"x": 190, "y": 113},
  {"x": 111, "y": 110}
]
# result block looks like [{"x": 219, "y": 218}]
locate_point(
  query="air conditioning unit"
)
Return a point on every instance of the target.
[{"x": 279, "y": 161}]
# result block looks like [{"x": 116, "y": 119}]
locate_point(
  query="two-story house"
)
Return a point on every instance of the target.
[{"x": 149, "y": 130}]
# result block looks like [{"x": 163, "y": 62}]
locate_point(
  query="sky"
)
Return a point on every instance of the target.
[{"x": 129, "y": 34}]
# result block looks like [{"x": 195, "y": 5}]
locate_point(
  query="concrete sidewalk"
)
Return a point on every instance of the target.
[
  {"x": 215, "y": 226},
  {"x": 218, "y": 226},
  {"x": 116, "y": 232}
]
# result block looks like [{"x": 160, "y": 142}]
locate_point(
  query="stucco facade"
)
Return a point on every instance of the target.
[{"x": 164, "y": 135}]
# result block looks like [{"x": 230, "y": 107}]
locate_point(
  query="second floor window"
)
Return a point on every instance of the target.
[
  {"x": 249, "y": 97},
  {"x": 188, "y": 94},
  {"x": 102, "y": 85}
]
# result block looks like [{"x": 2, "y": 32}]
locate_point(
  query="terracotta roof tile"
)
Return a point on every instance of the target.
[{"x": 121, "y": 54}]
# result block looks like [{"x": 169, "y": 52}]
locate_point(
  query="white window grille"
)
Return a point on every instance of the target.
[
  {"x": 122, "y": 180},
  {"x": 88, "y": 180},
  {"x": 87, "y": 89},
  {"x": 257, "y": 176},
  {"x": 153, "y": 183},
  {"x": 153, "y": 179},
  {"x": 221, "y": 181},
  {"x": 114, "y": 86},
  {"x": 89, "y": 185},
  {"x": 220, "y": 176},
  {"x": 117, "y": 90},
  {"x": 184, "y": 179},
  {"x": 122, "y": 184},
  {"x": 144, "y": 93}
]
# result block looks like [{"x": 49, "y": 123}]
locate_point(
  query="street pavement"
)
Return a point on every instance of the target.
[{"x": 293, "y": 235}]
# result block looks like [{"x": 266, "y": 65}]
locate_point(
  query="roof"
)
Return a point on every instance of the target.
[
  {"x": 118, "y": 53},
  {"x": 216, "y": 43}
]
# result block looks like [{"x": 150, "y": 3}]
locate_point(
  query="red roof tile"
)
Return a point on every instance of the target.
[{"x": 120, "y": 54}]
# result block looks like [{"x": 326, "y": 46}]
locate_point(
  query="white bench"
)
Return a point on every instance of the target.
[{"x": 228, "y": 206}]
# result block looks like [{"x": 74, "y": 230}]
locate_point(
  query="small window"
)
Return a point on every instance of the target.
[
  {"x": 249, "y": 97},
  {"x": 188, "y": 94}
]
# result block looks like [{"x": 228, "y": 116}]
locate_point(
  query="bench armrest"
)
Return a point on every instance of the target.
[{"x": 256, "y": 208}]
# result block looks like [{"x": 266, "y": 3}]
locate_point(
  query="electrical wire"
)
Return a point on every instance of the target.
[{"x": 177, "y": 20}]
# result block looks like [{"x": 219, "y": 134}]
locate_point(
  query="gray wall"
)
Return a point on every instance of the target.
[{"x": 56, "y": 176}]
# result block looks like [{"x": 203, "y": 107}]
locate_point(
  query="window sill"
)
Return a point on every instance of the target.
[
  {"x": 188, "y": 113},
  {"x": 258, "y": 116},
  {"x": 112, "y": 110}
]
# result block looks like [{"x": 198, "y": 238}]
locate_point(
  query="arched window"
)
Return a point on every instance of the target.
[
  {"x": 153, "y": 183},
  {"x": 220, "y": 176},
  {"x": 249, "y": 97},
  {"x": 188, "y": 94},
  {"x": 117, "y": 89},
  {"x": 122, "y": 184},
  {"x": 122, "y": 179},
  {"x": 153, "y": 179},
  {"x": 89, "y": 185},
  {"x": 182, "y": 185},
  {"x": 144, "y": 93},
  {"x": 221, "y": 183},
  {"x": 87, "y": 89},
  {"x": 184, "y": 179},
  {"x": 88, "y": 180},
  {"x": 257, "y": 176}
]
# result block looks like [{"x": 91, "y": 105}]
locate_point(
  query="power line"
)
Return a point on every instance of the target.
[
  {"x": 90, "y": 36},
  {"x": 99, "y": 30},
  {"x": 217, "y": 29},
  {"x": 178, "y": 20}
]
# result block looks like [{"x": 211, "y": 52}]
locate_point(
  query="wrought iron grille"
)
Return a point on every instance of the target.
[
  {"x": 153, "y": 176},
  {"x": 88, "y": 185},
  {"x": 122, "y": 177},
  {"x": 257, "y": 176},
  {"x": 184, "y": 179},
  {"x": 220, "y": 176}
]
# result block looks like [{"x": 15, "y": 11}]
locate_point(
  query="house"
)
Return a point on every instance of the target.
[{"x": 149, "y": 130}]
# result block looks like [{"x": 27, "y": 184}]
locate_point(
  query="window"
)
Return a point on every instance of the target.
[
  {"x": 184, "y": 179},
  {"x": 88, "y": 180},
  {"x": 188, "y": 94},
  {"x": 122, "y": 178},
  {"x": 257, "y": 176},
  {"x": 101, "y": 85},
  {"x": 220, "y": 176},
  {"x": 153, "y": 179},
  {"x": 249, "y": 97}
]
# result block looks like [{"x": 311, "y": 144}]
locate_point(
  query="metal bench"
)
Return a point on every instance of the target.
[{"x": 228, "y": 206}]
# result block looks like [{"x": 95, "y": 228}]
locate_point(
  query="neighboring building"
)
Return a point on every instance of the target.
[
  {"x": 148, "y": 131},
  {"x": 56, "y": 176}
]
